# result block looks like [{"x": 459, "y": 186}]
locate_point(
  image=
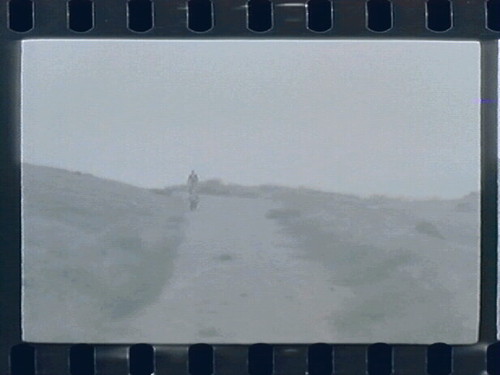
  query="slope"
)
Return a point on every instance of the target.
[{"x": 94, "y": 251}]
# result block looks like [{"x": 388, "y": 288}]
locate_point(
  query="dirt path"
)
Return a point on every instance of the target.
[{"x": 236, "y": 279}]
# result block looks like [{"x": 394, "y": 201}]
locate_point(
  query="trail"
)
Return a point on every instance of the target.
[
  {"x": 237, "y": 280},
  {"x": 108, "y": 262}
]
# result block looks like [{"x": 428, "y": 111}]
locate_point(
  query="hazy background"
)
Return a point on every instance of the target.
[
  {"x": 393, "y": 118},
  {"x": 104, "y": 261}
]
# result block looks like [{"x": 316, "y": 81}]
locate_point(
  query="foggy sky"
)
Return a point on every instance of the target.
[{"x": 379, "y": 117}]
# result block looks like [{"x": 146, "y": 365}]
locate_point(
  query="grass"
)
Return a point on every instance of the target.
[
  {"x": 94, "y": 249},
  {"x": 392, "y": 285}
]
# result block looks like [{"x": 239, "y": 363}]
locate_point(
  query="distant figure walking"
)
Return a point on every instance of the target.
[{"x": 192, "y": 182}]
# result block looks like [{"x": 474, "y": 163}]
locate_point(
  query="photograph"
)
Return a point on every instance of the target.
[{"x": 248, "y": 191}]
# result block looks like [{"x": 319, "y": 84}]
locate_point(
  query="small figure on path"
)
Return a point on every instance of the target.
[{"x": 192, "y": 182}]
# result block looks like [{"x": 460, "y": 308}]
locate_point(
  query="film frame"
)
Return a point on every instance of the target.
[{"x": 470, "y": 20}]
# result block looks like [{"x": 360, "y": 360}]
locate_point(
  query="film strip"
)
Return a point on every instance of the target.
[
  {"x": 254, "y": 359},
  {"x": 457, "y": 20}
]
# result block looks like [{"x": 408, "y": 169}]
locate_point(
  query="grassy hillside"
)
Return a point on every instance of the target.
[
  {"x": 94, "y": 250},
  {"x": 98, "y": 251},
  {"x": 412, "y": 265}
]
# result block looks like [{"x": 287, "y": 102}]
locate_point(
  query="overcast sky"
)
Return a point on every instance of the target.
[{"x": 395, "y": 118}]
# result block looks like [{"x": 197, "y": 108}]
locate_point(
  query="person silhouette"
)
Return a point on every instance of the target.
[{"x": 192, "y": 182}]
